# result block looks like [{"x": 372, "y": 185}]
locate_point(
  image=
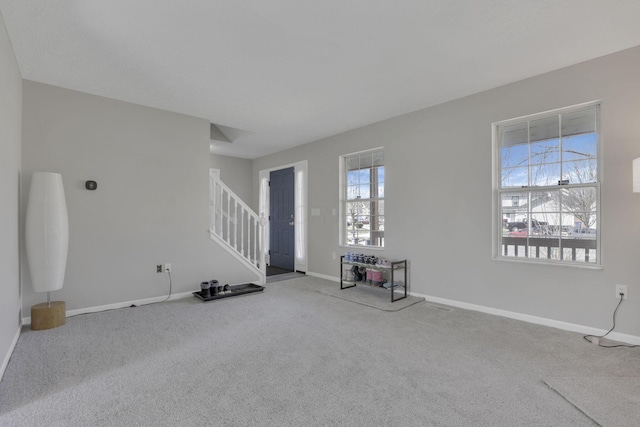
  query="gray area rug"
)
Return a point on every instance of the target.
[
  {"x": 290, "y": 356},
  {"x": 610, "y": 401},
  {"x": 379, "y": 298}
]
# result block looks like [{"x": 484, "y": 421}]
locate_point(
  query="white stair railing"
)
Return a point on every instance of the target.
[{"x": 236, "y": 226}]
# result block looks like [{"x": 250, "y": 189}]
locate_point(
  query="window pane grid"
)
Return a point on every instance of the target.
[
  {"x": 559, "y": 148},
  {"x": 548, "y": 187},
  {"x": 363, "y": 199}
]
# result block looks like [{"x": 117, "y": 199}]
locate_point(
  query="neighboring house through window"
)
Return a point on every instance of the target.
[
  {"x": 362, "y": 199},
  {"x": 547, "y": 183}
]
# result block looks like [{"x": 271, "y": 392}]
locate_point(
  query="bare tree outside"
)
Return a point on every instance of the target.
[
  {"x": 546, "y": 168},
  {"x": 582, "y": 201}
]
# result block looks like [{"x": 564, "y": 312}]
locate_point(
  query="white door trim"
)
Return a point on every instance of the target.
[{"x": 301, "y": 203}]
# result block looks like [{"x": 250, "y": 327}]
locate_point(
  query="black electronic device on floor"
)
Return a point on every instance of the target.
[{"x": 234, "y": 290}]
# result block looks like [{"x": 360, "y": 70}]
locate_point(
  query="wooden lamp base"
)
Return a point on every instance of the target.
[{"x": 48, "y": 315}]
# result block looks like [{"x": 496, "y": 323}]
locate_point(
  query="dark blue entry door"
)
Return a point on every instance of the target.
[{"x": 281, "y": 235}]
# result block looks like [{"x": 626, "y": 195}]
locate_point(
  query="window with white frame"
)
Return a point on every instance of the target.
[
  {"x": 362, "y": 198},
  {"x": 548, "y": 187}
]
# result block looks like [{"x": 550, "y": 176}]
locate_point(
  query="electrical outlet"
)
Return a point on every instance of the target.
[
  {"x": 167, "y": 267},
  {"x": 159, "y": 268},
  {"x": 621, "y": 289}
]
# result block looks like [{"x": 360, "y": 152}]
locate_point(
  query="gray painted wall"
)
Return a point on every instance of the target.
[
  {"x": 10, "y": 145},
  {"x": 236, "y": 173},
  {"x": 151, "y": 205},
  {"x": 439, "y": 197}
]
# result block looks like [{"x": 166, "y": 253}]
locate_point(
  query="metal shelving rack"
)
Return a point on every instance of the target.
[{"x": 395, "y": 266}]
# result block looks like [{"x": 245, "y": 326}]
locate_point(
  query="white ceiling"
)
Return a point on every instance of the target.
[{"x": 282, "y": 73}]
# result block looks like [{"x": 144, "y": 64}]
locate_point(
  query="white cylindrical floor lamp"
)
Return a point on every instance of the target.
[{"x": 47, "y": 244}]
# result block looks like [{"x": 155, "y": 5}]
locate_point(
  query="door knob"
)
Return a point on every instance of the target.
[{"x": 291, "y": 223}]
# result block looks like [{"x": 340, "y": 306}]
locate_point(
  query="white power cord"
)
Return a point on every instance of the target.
[
  {"x": 168, "y": 270},
  {"x": 595, "y": 339}
]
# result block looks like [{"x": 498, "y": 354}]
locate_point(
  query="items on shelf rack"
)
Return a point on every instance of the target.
[{"x": 373, "y": 271}]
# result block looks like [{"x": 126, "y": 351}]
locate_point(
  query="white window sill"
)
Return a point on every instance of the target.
[
  {"x": 549, "y": 263},
  {"x": 368, "y": 248}
]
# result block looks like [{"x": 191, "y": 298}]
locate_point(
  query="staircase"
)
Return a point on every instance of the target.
[{"x": 237, "y": 228}]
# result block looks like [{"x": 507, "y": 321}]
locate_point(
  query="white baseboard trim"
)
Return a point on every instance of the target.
[
  {"x": 96, "y": 309},
  {"x": 572, "y": 327},
  {"x": 5, "y": 362},
  {"x": 323, "y": 276},
  {"x": 565, "y": 326}
]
